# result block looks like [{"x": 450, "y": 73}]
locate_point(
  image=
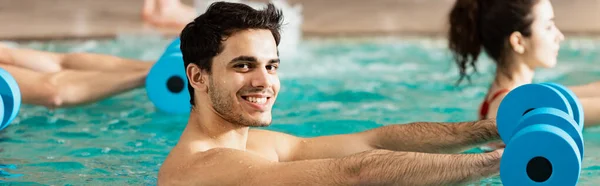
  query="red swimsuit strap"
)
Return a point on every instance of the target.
[{"x": 486, "y": 103}]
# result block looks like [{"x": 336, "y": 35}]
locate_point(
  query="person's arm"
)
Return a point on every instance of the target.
[
  {"x": 589, "y": 96},
  {"x": 51, "y": 62},
  {"x": 586, "y": 90},
  {"x": 591, "y": 111},
  {"x": 432, "y": 137},
  {"x": 591, "y": 108},
  {"x": 492, "y": 113},
  {"x": 376, "y": 167},
  {"x": 71, "y": 88}
]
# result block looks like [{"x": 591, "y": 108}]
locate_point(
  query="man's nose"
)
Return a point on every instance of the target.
[{"x": 261, "y": 78}]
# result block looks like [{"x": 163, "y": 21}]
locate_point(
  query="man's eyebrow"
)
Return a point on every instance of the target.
[
  {"x": 274, "y": 61},
  {"x": 251, "y": 59},
  {"x": 244, "y": 58}
]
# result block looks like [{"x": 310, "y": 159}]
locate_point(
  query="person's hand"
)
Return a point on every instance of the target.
[
  {"x": 499, "y": 152},
  {"x": 491, "y": 162},
  {"x": 496, "y": 145},
  {"x": 493, "y": 146}
]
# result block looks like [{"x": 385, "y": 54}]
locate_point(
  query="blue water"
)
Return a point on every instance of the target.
[{"x": 332, "y": 86}]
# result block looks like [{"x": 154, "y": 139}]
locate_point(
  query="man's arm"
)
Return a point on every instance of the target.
[
  {"x": 377, "y": 167},
  {"x": 433, "y": 137}
]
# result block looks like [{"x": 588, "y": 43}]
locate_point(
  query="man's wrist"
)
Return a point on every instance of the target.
[
  {"x": 491, "y": 162},
  {"x": 492, "y": 128}
]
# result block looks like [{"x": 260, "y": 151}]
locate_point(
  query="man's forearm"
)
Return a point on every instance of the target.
[
  {"x": 435, "y": 136},
  {"x": 382, "y": 167}
]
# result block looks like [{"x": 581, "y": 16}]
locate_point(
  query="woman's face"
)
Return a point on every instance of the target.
[{"x": 541, "y": 48}]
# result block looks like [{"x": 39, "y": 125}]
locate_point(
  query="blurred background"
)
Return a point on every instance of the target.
[{"x": 61, "y": 19}]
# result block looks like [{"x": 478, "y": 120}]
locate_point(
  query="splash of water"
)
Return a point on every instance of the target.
[{"x": 291, "y": 32}]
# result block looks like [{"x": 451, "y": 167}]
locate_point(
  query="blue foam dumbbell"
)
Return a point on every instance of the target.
[
  {"x": 576, "y": 106},
  {"x": 166, "y": 84},
  {"x": 10, "y": 99},
  {"x": 541, "y": 125}
]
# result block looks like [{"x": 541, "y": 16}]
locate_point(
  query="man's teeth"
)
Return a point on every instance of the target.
[{"x": 257, "y": 100}]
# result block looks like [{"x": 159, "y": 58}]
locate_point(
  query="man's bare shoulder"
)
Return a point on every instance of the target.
[
  {"x": 272, "y": 145},
  {"x": 271, "y": 138},
  {"x": 269, "y": 133},
  {"x": 203, "y": 167}
]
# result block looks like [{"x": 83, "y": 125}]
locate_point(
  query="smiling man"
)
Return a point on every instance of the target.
[{"x": 231, "y": 59}]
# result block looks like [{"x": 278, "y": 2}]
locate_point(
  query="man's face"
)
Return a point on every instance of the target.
[{"x": 243, "y": 85}]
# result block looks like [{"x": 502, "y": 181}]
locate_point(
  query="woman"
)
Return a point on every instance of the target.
[
  {"x": 56, "y": 80},
  {"x": 520, "y": 36}
]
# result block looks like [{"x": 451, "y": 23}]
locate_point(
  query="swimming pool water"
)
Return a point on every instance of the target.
[{"x": 330, "y": 86}]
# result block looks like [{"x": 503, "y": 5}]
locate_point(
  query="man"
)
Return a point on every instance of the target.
[
  {"x": 58, "y": 80},
  {"x": 231, "y": 59}
]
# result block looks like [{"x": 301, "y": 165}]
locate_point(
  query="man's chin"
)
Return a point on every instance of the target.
[
  {"x": 261, "y": 123},
  {"x": 257, "y": 122},
  {"x": 260, "y": 119}
]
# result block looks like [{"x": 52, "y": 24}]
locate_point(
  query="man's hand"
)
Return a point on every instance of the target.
[{"x": 493, "y": 146}]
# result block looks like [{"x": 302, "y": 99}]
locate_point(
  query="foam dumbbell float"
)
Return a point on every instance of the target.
[
  {"x": 10, "y": 99},
  {"x": 166, "y": 83},
  {"x": 541, "y": 125}
]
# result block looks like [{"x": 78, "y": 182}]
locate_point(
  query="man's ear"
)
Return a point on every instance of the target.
[{"x": 196, "y": 77}]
